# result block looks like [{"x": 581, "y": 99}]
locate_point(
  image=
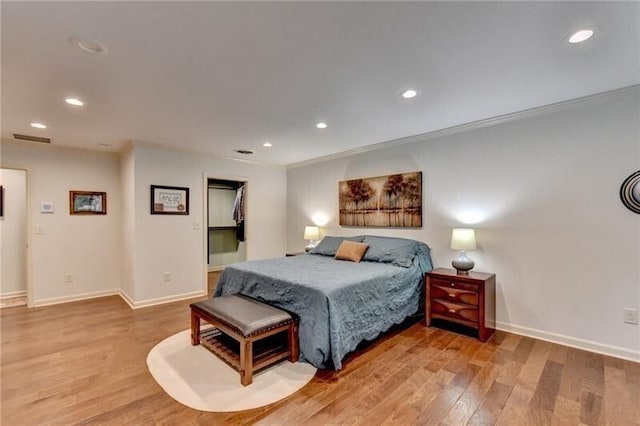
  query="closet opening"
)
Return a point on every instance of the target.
[
  {"x": 226, "y": 223},
  {"x": 15, "y": 289}
]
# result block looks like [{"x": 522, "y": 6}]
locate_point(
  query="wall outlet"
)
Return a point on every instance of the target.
[
  {"x": 39, "y": 230},
  {"x": 630, "y": 316},
  {"x": 167, "y": 276},
  {"x": 68, "y": 277}
]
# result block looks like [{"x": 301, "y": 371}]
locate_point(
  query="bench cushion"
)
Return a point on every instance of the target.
[{"x": 244, "y": 313}]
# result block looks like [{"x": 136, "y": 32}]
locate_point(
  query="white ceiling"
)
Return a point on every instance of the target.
[{"x": 215, "y": 77}]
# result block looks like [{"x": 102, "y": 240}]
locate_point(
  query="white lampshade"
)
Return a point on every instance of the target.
[
  {"x": 311, "y": 233},
  {"x": 463, "y": 239}
]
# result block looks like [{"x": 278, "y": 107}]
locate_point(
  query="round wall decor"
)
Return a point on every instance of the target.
[{"x": 630, "y": 192}]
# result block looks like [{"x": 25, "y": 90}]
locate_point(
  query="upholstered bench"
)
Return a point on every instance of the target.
[{"x": 247, "y": 321}]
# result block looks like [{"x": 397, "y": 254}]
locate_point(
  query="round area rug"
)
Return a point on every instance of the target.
[{"x": 195, "y": 377}]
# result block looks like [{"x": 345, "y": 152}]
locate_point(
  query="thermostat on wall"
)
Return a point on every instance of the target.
[{"x": 46, "y": 208}]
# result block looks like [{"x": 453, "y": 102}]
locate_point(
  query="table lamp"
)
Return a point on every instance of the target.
[
  {"x": 311, "y": 233},
  {"x": 463, "y": 239}
]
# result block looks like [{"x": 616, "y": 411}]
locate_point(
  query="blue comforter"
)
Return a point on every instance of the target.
[{"x": 340, "y": 303}]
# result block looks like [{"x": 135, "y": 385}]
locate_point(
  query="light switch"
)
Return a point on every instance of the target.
[
  {"x": 196, "y": 225},
  {"x": 39, "y": 230},
  {"x": 46, "y": 207}
]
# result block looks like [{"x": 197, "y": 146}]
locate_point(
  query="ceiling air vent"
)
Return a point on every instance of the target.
[
  {"x": 244, "y": 151},
  {"x": 31, "y": 138}
]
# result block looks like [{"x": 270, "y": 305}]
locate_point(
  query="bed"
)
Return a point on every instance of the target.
[{"x": 340, "y": 303}]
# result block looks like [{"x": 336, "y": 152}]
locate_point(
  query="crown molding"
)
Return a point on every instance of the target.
[
  {"x": 184, "y": 150},
  {"x": 493, "y": 121}
]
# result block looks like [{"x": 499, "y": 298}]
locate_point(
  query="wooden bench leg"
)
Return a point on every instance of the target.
[
  {"x": 195, "y": 329},
  {"x": 246, "y": 362},
  {"x": 294, "y": 349}
]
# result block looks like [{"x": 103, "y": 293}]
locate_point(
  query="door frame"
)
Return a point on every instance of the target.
[
  {"x": 29, "y": 272},
  {"x": 205, "y": 216}
]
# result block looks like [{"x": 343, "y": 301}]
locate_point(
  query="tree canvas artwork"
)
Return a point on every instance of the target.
[{"x": 393, "y": 201}]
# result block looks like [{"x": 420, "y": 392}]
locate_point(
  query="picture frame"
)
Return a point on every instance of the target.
[
  {"x": 172, "y": 200},
  {"x": 1, "y": 201},
  {"x": 630, "y": 192},
  {"x": 87, "y": 203},
  {"x": 391, "y": 201}
]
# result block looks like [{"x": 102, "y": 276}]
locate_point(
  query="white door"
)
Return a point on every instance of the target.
[{"x": 13, "y": 233}]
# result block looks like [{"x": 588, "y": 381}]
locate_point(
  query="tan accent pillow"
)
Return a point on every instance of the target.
[{"x": 351, "y": 250}]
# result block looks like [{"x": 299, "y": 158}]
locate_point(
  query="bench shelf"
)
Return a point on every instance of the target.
[{"x": 265, "y": 352}]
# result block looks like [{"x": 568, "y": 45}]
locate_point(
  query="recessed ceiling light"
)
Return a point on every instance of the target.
[
  {"x": 321, "y": 125},
  {"x": 38, "y": 125},
  {"x": 408, "y": 94},
  {"x": 267, "y": 144},
  {"x": 74, "y": 101},
  {"x": 580, "y": 36},
  {"x": 90, "y": 46}
]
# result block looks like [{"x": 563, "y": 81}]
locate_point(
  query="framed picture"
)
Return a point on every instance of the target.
[
  {"x": 169, "y": 200},
  {"x": 1, "y": 201},
  {"x": 393, "y": 201},
  {"x": 87, "y": 202}
]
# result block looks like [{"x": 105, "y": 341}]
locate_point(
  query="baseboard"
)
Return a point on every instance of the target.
[
  {"x": 159, "y": 300},
  {"x": 588, "y": 345},
  {"x": 117, "y": 292},
  {"x": 128, "y": 300},
  {"x": 11, "y": 294},
  {"x": 13, "y": 298},
  {"x": 573, "y": 342},
  {"x": 75, "y": 298},
  {"x": 215, "y": 268}
]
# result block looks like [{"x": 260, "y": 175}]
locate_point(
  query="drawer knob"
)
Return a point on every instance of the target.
[
  {"x": 452, "y": 311},
  {"x": 452, "y": 295},
  {"x": 453, "y": 284}
]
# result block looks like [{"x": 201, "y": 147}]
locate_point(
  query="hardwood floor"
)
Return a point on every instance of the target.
[
  {"x": 84, "y": 362},
  {"x": 212, "y": 280}
]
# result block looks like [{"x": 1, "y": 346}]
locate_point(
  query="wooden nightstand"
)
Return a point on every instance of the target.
[{"x": 469, "y": 300}]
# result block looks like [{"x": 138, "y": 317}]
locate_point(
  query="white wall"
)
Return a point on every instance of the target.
[
  {"x": 86, "y": 246},
  {"x": 127, "y": 188},
  {"x": 128, "y": 250},
  {"x": 13, "y": 233},
  {"x": 542, "y": 192},
  {"x": 221, "y": 203},
  {"x": 166, "y": 243}
]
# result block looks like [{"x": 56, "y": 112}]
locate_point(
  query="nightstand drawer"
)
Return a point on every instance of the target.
[
  {"x": 454, "y": 294},
  {"x": 454, "y": 311},
  {"x": 468, "y": 299},
  {"x": 453, "y": 283}
]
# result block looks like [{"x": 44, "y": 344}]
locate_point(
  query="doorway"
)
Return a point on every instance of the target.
[
  {"x": 13, "y": 232},
  {"x": 226, "y": 222}
]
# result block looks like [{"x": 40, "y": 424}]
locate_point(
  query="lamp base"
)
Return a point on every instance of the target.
[
  {"x": 309, "y": 246},
  {"x": 462, "y": 263}
]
